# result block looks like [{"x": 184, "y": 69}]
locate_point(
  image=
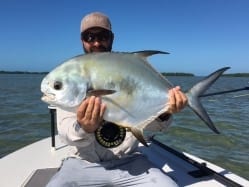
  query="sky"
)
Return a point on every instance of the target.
[{"x": 201, "y": 36}]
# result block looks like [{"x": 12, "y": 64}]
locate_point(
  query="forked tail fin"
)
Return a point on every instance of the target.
[{"x": 197, "y": 90}]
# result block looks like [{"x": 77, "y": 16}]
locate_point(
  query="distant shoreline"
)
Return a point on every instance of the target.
[
  {"x": 22, "y": 72},
  {"x": 163, "y": 73},
  {"x": 193, "y": 75}
]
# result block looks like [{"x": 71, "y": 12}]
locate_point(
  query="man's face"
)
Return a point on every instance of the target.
[{"x": 97, "y": 40}]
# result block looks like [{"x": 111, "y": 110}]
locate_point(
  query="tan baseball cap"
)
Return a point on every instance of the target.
[{"x": 95, "y": 19}]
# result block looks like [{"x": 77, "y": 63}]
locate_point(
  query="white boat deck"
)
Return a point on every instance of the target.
[{"x": 17, "y": 167}]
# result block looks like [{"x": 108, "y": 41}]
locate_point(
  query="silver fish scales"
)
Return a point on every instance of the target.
[{"x": 134, "y": 92}]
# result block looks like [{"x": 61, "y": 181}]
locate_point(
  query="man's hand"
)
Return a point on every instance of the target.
[
  {"x": 90, "y": 114},
  {"x": 177, "y": 100}
]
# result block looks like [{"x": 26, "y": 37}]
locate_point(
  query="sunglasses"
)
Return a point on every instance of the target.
[{"x": 99, "y": 36}]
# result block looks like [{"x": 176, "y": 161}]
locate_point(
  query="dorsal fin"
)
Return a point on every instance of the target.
[{"x": 147, "y": 53}]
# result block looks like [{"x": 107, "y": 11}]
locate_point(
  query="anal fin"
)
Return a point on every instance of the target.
[{"x": 139, "y": 135}]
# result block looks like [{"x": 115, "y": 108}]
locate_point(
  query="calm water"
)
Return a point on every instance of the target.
[{"x": 25, "y": 119}]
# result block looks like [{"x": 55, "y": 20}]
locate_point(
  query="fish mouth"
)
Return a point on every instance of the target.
[{"x": 48, "y": 97}]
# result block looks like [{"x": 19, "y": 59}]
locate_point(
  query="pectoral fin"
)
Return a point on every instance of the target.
[
  {"x": 100, "y": 92},
  {"x": 139, "y": 135}
]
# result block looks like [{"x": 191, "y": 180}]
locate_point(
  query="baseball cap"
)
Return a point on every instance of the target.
[{"x": 95, "y": 19}]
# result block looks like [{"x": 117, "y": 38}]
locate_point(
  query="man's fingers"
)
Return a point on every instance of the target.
[
  {"x": 172, "y": 101},
  {"x": 88, "y": 113},
  {"x": 82, "y": 109},
  {"x": 96, "y": 109},
  {"x": 181, "y": 100},
  {"x": 92, "y": 111},
  {"x": 184, "y": 99},
  {"x": 178, "y": 100},
  {"x": 102, "y": 110}
]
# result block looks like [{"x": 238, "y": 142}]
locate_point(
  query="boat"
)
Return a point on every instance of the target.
[{"x": 34, "y": 164}]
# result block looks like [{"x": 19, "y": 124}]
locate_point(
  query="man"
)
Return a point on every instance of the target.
[{"x": 92, "y": 162}]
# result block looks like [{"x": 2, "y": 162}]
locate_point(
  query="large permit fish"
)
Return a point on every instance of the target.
[{"x": 134, "y": 92}]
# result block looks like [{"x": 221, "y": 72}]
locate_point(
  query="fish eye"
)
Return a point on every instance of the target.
[{"x": 57, "y": 85}]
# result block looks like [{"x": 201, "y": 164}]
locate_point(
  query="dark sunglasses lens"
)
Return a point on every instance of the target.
[
  {"x": 101, "y": 36},
  {"x": 88, "y": 37},
  {"x": 104, "y": 36}
]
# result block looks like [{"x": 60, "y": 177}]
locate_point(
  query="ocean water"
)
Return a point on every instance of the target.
[{"x": 24, "y": 119}]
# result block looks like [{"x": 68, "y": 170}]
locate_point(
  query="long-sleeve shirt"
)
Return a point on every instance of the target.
[{"x": 84, "y": 145}]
